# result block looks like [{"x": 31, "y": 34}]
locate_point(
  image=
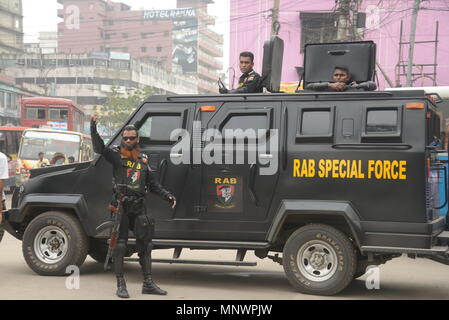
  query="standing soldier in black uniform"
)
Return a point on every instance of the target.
[
  {"x": 249, "y": 82},
  {"x": 133, "y": 178}
]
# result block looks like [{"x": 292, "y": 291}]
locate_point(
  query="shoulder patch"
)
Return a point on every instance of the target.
[{"x": 144, "y": 158}]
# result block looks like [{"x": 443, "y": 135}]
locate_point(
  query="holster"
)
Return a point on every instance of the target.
[{"x": 144, "y": 228}]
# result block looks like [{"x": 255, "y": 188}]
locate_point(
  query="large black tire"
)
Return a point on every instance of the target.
[
  {"x": 361, "y": 268},
  {"x": 319, "y": 259},
  {"x": 53, "y": 241}
]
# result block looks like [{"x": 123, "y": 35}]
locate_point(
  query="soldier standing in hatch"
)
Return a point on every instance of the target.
[
  {"x": 133, "y": 178},
  {"x": 249, "y": 82},
  {"x": 341, "y": 81}
]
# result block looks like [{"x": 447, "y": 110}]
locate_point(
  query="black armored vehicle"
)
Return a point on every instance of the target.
[{"x": 329, "y": 183}]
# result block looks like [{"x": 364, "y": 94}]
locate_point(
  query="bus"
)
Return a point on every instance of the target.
[
  {"x": 57, "y": 146},
  {"x": 52, "y": 113},
  {"x": 10, "y": 140},
  {"x": 9, "y": 145}
]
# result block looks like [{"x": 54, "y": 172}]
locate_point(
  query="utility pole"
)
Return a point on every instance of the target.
[
  {"x": 355, "y": 22},
  {"x": 343, "y": 19},
  {"x": 412, "y": 43},
  {"x": 275, "y": 25}
]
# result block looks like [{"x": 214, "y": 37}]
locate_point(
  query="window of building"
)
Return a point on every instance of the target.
[
  {"x": 125, "y": 35},
  {"x": 317, "y": 27},
  {"x": 144, "y": 49},
  {"x": 2, "y": 99},
  {"x": 159, "y": 49},
  {"x": 13, "y": 101},
  {"x": 35, "y": 113},
  {"x": 8, "y": 100}
]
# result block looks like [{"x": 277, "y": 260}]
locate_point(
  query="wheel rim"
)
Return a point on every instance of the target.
[
  {"x": 317, "y": 261},
  {"x": 50, "y": 245}
]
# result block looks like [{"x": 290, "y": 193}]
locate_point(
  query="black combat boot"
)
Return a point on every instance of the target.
[
  {"x": 118, "y": 260},
  {"x": 149, "y": 287},
  {"x": 122, "y": 292}
]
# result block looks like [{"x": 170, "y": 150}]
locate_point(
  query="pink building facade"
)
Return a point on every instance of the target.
[{"x": 251, "y": 25}]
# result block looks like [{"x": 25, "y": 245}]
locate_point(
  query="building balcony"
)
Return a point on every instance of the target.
[
  {"x": 10, "y": 11},
  {"x": 209, "y": 62},
  {"x": 211, "y": 35},
  {"x": 207, "y": 74},
  {"x": 206, "y": 87},
  {"x": 210, "y": 49},
  {"x": 205, "y": 18}
]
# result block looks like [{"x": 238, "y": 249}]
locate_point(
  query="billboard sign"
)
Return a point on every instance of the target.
[
  {"x": 173, "y": 14},
  {"x": 184, "y": 36}
]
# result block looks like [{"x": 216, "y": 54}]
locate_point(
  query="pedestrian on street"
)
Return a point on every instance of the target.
[{"x": 3, "y": 177}]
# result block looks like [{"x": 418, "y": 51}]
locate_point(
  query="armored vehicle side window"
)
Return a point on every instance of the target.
[
  {"x": 156, "y": 129},
  {"x": 315, "y": 125},
  {"x": 382, "y": 124},
  {"x": 252, "y": 122},
  {"x": 382, "y": 121},
  {"x": 244, "y": 122}
]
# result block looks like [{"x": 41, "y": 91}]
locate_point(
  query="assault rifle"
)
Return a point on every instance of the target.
[{"x": 114, "y": 225}]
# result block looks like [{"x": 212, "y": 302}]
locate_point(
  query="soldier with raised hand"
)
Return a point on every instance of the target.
[{"x": 133, "y": 179}]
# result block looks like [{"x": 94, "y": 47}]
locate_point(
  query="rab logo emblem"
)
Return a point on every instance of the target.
[
  {"x": 135, "y": 177},
  {"x": 225, "y": 195}
]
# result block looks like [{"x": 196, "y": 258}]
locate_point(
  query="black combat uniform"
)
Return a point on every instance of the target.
[
  {"x": 249, "y": 82},
  {"x": 133, "y": 179}
]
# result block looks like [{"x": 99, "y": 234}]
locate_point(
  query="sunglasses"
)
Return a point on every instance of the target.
[{"x": 129, "y": 138}]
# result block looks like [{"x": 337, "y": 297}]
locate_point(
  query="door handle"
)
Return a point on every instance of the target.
[
  {"x": 162, "y": 171},
  {"x": 175, "y": 155},
  {"x": 252, "y": 180}
]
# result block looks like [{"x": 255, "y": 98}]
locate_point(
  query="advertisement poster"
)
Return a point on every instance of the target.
[{"x": 184, "y": 36}]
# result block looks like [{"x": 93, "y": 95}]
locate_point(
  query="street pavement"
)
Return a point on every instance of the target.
[{"x": 401, "y": 278}]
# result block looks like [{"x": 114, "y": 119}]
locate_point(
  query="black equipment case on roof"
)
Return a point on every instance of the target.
[
  {"x": 320, "y": 60},
  {"x": 273, "y": 51}
]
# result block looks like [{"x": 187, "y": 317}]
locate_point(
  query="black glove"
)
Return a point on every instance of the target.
[
  {"x": 223, "y": 90},
  {"x": 170, "y": 198}
]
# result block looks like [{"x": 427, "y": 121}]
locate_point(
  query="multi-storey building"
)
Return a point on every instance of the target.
[
  {"x": 88, "y": 79},
  {"x": 48, "y": 44},
  {"x": 179, "y": 40},
  {"x": 303, "y": 22},
  {"x": 11, "y": 26},
  {"x": 10, "y": 96}
]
